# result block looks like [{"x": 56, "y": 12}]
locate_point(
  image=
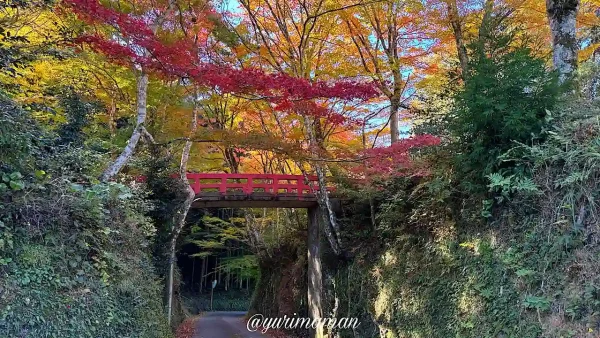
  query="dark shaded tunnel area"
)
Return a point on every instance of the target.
[{"x": 211, "y": 251}]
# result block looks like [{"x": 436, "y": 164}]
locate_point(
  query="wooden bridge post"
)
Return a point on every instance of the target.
[{"x": 315, "y": 271}]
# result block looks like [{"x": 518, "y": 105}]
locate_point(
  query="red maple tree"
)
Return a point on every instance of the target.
[
  {"x": 381, "y": 163},
  {"x": 182, "y": 59},
  {"x": 134, "y": 42}
]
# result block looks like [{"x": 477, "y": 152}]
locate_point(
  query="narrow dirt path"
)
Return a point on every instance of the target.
[{"x": 223, "y": 324}]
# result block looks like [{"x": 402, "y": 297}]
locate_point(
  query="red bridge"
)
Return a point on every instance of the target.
[
  {"x": 272, "y": 191},
  {"x": 253, "y": 190}
]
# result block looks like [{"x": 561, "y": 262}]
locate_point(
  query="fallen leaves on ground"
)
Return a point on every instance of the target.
[{"x": 186, "y": 329}]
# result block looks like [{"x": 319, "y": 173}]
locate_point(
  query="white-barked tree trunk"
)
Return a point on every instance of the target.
[{"x": 562, "y": 16}]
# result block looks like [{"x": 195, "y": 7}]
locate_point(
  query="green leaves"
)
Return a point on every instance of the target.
[
  {"x": 76, "y": 187},
  {"x": 537, "y": 303},
  {"x": 79, "y": 113},
  {"x": 506, "y": 186},
  {"x": 17, "y": 185},
  {"x": 525, "y": 272},
  {"x": 222, "y": 238},
  {"x": 17, "y": 132},
  {"x": 39, "y": 174},
  {"x": 15, "y": 176},
  {"x": 14, "y": 181},
  {"x": 6, "y": 244},
  {"x": 505, "y": 99}
]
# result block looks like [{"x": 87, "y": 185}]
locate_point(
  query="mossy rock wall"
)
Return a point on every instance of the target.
[{"x": 521, "y": 265}]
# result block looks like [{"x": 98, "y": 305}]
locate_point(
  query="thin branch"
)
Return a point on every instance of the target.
[{"x": 343, "y": 8}]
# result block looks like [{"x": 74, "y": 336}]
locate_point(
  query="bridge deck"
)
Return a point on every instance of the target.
[{"x": 254, "y": 200}]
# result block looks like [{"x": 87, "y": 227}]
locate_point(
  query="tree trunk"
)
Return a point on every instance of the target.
[
  {"x": 193, "y": 270},
  {"x": 142, "y": 98},
  {"x": 179, "y": 221},
  {"x": 315, "y": 270},
  {"x": 394, "y": 132},
  {"x": 595, "y": 82},
  {"x": 373, "y": 212},
  {"x": 112, "y": 112},
  {"x": 227, "y": 274},
  {"x": 202, "y": 277},
  {"x": 141, "y": 109},
  {"x": 218, "y": 271},
  {"x": 205, "y": 275},
  {"x": 178, "y": 225},
  {"x": 596, "y": 39},
  {"x": 562, "y": 15},
  {"x": 455, "y": 22},
  {"x": 330, "y": 227}
]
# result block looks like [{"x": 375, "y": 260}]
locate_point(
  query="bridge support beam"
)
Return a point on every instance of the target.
[{"x": 315, "y": 270}]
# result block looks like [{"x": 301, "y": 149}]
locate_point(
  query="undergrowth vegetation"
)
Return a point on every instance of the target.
[
  {"x": 74, "y": 253},
  {"x": 508, "y": 252}
]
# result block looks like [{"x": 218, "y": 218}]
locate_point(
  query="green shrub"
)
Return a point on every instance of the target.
[
  {"x": 18, "y": 135},
  {"x": 74, "y": 253},
  {"x": 506, "y": 97},
  {"x": 79, "y": 264},
  {"x": 79, "y": 112}
]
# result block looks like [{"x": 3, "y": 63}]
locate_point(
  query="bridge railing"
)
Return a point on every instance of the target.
[{"x": 253, "y": 183}]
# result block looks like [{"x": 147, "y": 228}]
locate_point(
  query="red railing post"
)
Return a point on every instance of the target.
[
  {"x": 275, "y": 188},
  {"x": 223, "y": 185},
  {"x": 196, "y": 186},
  {"x": 248, "y": 188}
]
